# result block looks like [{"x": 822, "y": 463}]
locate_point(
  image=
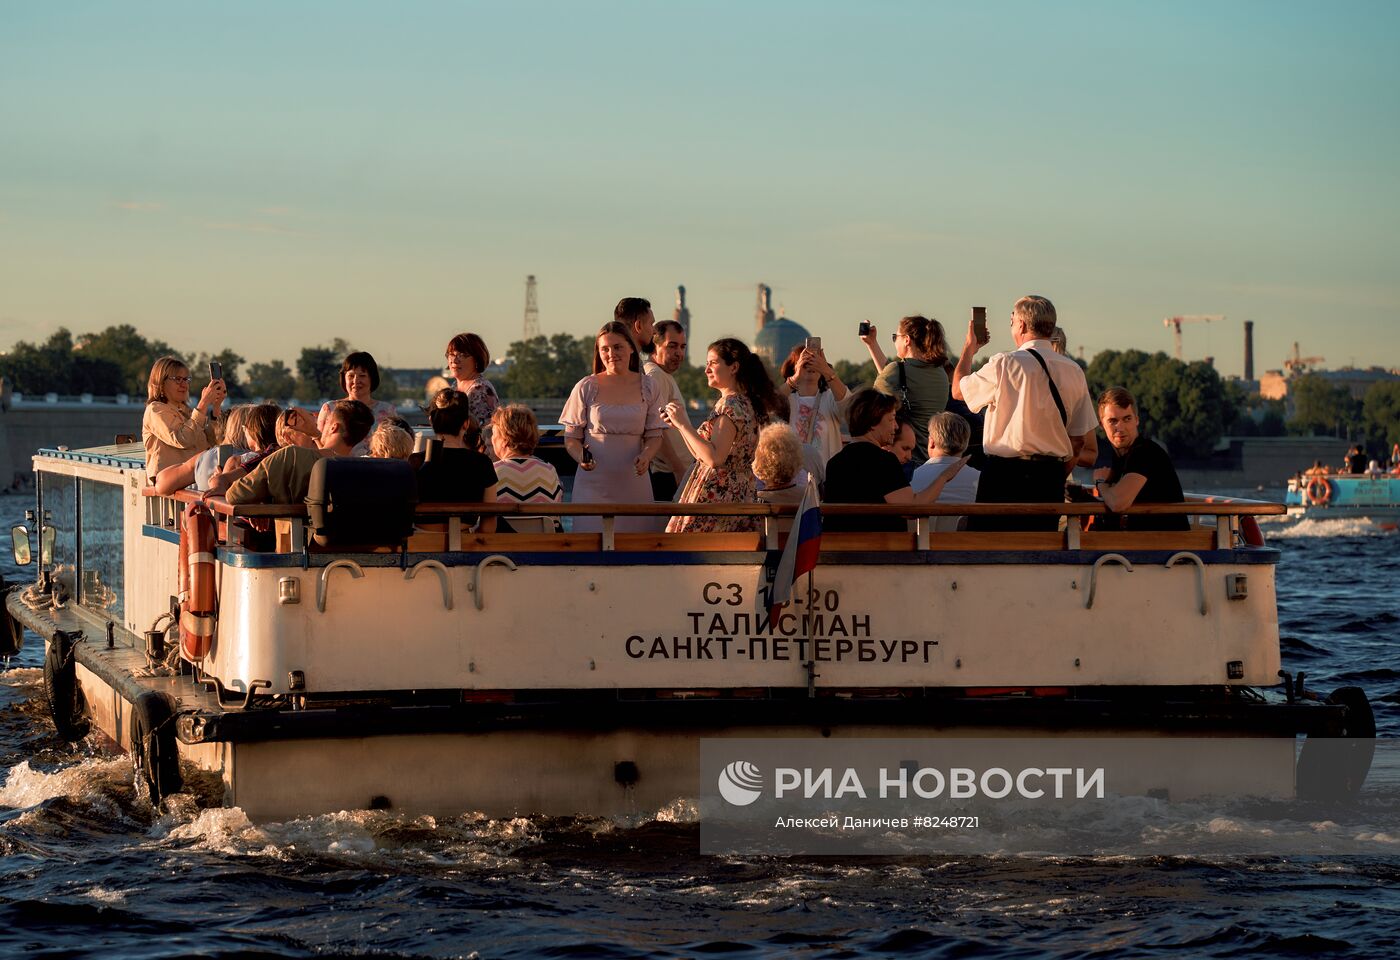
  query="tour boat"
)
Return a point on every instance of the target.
[
  {"x": 1340, "y": 496},
  {"x": 366, "y": 652}
]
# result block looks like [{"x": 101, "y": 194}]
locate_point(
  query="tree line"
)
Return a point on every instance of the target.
[
  {"x": 1186, "y": 406},
  {"x": 118, "y": 361}
]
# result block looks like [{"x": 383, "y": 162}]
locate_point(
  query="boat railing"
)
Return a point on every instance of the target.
[{"x": 441, "y": 526}]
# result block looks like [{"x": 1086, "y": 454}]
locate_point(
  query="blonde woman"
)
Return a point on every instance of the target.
[
  {"x": 390, "y": 442},
  {"x": 170, "y": 431}
]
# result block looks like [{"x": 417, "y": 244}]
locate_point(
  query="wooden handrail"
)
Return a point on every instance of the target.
[{"x": 1223, "y": 506}]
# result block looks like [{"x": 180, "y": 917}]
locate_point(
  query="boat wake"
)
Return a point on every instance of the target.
[{"x": 1284, "y": 528}]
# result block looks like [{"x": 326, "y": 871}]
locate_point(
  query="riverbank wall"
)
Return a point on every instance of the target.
[{"x": 1259, "y": 463}]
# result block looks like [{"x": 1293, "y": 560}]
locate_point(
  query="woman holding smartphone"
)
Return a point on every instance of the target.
[
  {"x": 724, "y": 444},
  {"x": 918, "y": 375},
  {"x": 612, "y": 429},
  {"x": 170, "y": 431},
  {"x": 817, "y": 401}
]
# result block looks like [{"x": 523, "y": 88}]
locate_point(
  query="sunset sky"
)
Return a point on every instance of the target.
[{"x": 271, "y": 175}]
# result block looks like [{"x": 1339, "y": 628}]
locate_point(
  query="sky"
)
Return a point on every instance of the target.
[{"x": 267, "y": 176}]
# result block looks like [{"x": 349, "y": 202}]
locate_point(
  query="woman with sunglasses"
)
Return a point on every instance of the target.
[
  {"x": 917, "y": 376},
  {"x": 170, "y": 431}
]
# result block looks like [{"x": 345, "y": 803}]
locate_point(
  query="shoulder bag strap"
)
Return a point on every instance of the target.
[
  {"x": 1054, "y": 391},
  {"x": 903, "y": 388}
]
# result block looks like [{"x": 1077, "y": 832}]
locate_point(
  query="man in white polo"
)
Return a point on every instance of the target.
[
  {"x": 1038, "y": 414},
  {"x": 673, "y": 459}
]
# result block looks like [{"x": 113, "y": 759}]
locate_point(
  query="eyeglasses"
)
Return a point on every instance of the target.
[
  {"x": 894, "y": 337},
  {"x": 179, "y": 379}
]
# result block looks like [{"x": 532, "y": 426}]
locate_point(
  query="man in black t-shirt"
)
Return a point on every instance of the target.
[{"x": 1141, "y": 472}]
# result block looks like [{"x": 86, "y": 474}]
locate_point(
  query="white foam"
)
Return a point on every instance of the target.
[
  {"x": 26, "y": 787},
  {"x": 22, "y": 676},
  {"x": 1350, "y": 527},
  {"x": 103, "y": 895}
]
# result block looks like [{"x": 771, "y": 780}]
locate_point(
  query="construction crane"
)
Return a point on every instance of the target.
[
  {"x": 1297, "y": 363},
  {"x": 1176, "y": 322}
]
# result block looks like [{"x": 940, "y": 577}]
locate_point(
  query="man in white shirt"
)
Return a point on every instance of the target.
[
  {"x": 673, "y": 460},
  {"x": 948, "y": 436},
  {"x": 1038, "y": 414}
]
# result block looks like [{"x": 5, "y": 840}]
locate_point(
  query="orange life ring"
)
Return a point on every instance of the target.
[
  {"x": 198, "y": 540},
  {"x": 1319, "y": 491}
]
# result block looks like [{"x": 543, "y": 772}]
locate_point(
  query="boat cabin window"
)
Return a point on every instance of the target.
[
  {"x": 58, "y": 498},
  {"x": 100, "y": 548}
]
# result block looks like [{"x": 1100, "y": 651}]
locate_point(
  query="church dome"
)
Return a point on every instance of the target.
[{"x": 776, "y": 340}]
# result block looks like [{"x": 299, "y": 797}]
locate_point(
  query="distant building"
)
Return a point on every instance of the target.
[
  {"x": 776, "y": 335},
  {"x": 413, "y": 381},
  {"x": 1275, "y": 384}
]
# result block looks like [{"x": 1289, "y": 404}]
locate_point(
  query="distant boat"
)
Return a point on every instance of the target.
[{"x": 1342, "y": 496}]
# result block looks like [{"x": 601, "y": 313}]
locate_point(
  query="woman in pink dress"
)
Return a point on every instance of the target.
[
  {"x": 724, "y": 444},
  {"x": 612, "y": 429}
]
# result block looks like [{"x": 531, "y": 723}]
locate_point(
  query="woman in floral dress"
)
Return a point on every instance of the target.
[{"x": 724, "y": 444}]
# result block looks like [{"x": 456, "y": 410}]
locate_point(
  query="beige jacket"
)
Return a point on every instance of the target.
[{"x": 172, "y": 434}]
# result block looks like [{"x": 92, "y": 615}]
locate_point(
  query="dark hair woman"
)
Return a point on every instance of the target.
[
  {"x": 817, "y": 401},
  {"x": 170, "y": 431},
  {"x": 359, "y": 378},
  {"x": 918, "y": 374},
  {"x": 864, "y": 472},
  {"x": 467, "y": 360},
  {"x": 724, "y": 444},
  {"x": 612, "y": 429}
]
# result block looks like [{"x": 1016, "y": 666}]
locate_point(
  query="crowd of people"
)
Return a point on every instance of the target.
[
  {"x": 627, "y": 427},
  {"x": 1358, "y": 463}
]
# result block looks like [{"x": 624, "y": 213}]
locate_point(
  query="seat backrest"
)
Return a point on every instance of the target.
[
  {"x": 532, "y": 524},
  {"x": 361, "y": 501}
]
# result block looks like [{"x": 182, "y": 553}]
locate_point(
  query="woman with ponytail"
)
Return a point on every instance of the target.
[
  {"x": 724, "y": 444},
  {"x": 918, "y": 377}
]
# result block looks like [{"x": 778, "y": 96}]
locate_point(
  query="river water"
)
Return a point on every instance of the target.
[{"x": 90, "y": 870}]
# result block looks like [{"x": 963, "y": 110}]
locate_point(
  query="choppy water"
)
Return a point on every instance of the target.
[{"x": 89, "y": 869}]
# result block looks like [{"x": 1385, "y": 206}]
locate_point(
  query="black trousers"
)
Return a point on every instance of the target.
[{"x": 1019, "y": 481}]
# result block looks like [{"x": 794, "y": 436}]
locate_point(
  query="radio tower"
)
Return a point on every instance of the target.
[{"x": 532, "y": 309}]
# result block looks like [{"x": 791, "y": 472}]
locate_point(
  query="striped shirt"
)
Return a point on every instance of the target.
[{"x": 527, "y": 480}]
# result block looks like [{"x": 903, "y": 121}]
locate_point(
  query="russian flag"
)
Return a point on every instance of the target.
[{"x": 800, "y": 553}]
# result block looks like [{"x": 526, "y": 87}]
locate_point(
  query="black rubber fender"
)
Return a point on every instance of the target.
[
  {"x": 1334, "y": 768},
  {"x": 12, "y": 632},
  {"x": 67, "y": 706},
  {"x": 153, "y": 749}
]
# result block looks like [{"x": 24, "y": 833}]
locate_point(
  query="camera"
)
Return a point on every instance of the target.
[{"x": 864, "y": 328}]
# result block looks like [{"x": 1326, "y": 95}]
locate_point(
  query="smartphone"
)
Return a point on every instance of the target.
[
  {"x": 979, "y": 324},
  {"x": 216, "y": 370},
  {"x": 814, "y": 344},
  {"x": 864, "y": 329},
  {"x": 587, "y": 455}
]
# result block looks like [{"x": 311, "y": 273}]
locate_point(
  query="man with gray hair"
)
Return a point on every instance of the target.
[
  {"x": 948, "y": 436},
  {"x": 1038, "y": 414}
]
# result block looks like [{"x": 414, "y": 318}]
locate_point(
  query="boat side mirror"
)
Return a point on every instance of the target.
[
  {"x": 19, "y": 541},
  {"x": 46, "y": 541}
]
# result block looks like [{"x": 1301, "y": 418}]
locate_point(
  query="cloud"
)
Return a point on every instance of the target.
[
  {"x": 138, "y": 206},
  {"x": 243, "y": 227}
]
